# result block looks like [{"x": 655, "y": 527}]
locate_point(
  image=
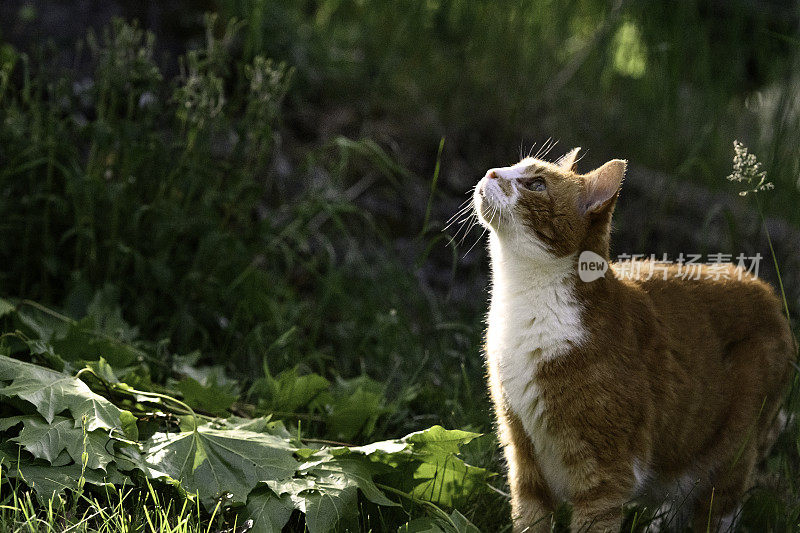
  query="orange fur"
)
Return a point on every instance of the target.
[{"x": 670, "y": 382}]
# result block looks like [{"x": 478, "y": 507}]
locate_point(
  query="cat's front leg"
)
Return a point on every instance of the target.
[
  {"x": 599, "y": 509},
  {"x": 532, "y": 505},
  {"x": 531, "y": 511},
  {"x": 605, "y": 520}
]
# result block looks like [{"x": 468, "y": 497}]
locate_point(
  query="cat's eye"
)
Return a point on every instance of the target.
[{"x": 535, "y": 184}]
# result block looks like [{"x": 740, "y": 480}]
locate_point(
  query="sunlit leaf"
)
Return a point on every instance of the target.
[
  {"x": 6, "y": 307},
  {"x": 268, "y": 512},
  {"x": 216, "y": 462},
  {"x": 48, "y": 440},
  {"x": 53, "y": 393}
]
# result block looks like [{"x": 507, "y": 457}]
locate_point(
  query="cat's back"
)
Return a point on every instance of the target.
[
  {"x": 723, "y": 296},
  {"x": 723, "y": 357},
  {"x": 720, "y": 321}
]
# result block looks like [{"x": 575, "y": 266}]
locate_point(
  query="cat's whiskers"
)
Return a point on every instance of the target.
[
  {"x": 463, "y": 210},
  {"x": 464, "y": 224},
  {"x": 474, "y": 222},
  {"x": 480, "y": 238},
  {"x": 468, "y": 199},
  {"x": 465, "y": 216},
  {"x": 548, "y": 145},
  {"x": 459, "y": 219},
  {"x": 465, "y": 205},
  {"x": 496, "y": 210},
  {"x": 460, "y": 222}
]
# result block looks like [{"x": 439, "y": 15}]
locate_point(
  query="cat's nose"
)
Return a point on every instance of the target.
[{"x": 492, "y": 175}]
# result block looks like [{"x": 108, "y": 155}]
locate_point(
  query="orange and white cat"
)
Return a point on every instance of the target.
[{"x": 617, "y": 389}]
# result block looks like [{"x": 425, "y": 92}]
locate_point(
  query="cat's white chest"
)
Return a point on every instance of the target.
[{"x": 527, "y": 326}]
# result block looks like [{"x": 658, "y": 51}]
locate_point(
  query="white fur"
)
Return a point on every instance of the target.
[
  {"x": 496, "y": 208},
  {"x": 729, "y": 521},
  {"x": 642, "y": 475},
  {"x": 673, "y": 500},
  {"x": 534, "y": 317},
  {"x": 513, "y": 172}
]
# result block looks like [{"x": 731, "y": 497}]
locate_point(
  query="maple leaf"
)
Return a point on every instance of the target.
[
  {"x": 214, "y": 462},
  {"x": 268, "y": 512},
  {"x": 47, "y": 440},
  {"x": 53, "y": 392},
  {"x": 50, "y": 481}
]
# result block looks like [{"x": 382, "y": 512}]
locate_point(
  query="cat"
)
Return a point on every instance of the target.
[{"x": 615, "y": 389}]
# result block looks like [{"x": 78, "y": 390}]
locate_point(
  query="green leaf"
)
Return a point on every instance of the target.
[
  {"x": 103, "y": 370},
  {"x": 268, "y": 512},
  {"x": 262, "y": 424},
  {"x": 106, "y": 315},
  {"x": 436, "y": 440},
  {"x": 53, "y": 392},
  {"x": 350, "y": 470},
  {"x": 189, "y": 366},
  {"x": 50, "y": 481},
  {"x": 6, "y": 307},
  {"x": 11, "y": 421},
  {"x": 80, "y": 342},
  {"x": 327, "y": 490},
  {"x": 288, "y": 391},
  {"x": 424, "y": 524},
  {"x": 429, "y": 467},
  {"x": 38, "y": 324},
  {"x": 462, "y": 524},
  {"x": 45, "y": 351},
  {"x": 457, "y": 524},
  {"x": 446, "y": 480},
  {"x": 324, "y": 500},
  {"x": 353, "y": 407},
  {"x": 47, "y": 441},
  {"x": 386, "y": 447},
  {"x": 355, "y": 414},
  {"x": 290, "y": 486},
  {"x": 102, "y": 334},
  {"x": 213, "y": 462},
  {"x": 129, "y": 425},
  {"x": 332, "y": 500},
  {"x": 209, "y": 398}
]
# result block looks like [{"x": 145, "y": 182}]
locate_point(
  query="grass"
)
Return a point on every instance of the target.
[
  {"x": 277, "y": 194},
  {"x": 118, "y": 510}
]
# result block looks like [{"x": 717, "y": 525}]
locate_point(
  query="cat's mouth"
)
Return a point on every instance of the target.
[{"x": 491, "y": 201}]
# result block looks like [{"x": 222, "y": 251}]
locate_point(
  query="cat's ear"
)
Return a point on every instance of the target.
[
  {"x": 602, "y": 184},
  {"x": 567, "y": 161}
]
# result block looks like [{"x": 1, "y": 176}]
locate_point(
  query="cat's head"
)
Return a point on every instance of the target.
[{"x": 543, "y": 210}]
